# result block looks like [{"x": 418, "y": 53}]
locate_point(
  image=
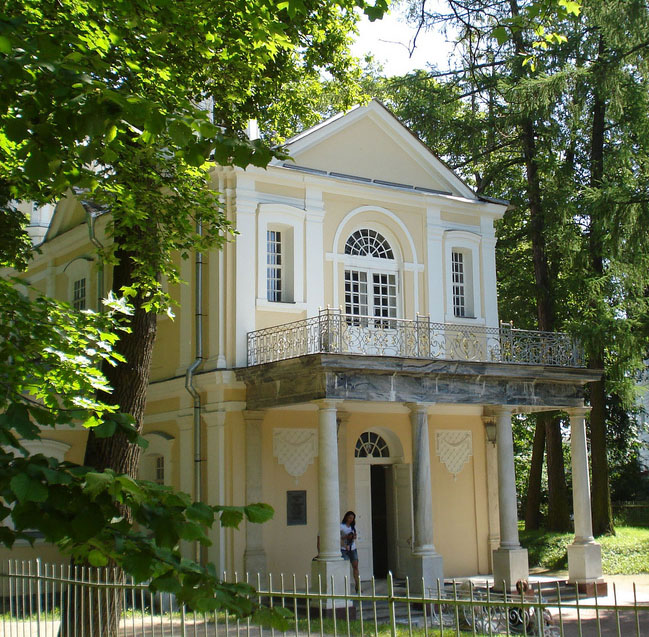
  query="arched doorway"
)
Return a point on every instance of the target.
[{"x": 383, "y": 503}]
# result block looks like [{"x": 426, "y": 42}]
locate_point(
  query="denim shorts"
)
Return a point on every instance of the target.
[{"x": 351, "y": 555}]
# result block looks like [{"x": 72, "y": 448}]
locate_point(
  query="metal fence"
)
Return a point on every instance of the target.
[
  {"x": 334, "y": 332},
  {"x": 39, "y": 599},
  {"x": 631, "y": 513}
]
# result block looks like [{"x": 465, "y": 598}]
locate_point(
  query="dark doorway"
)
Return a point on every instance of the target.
[{"x": 379, "y": 521}]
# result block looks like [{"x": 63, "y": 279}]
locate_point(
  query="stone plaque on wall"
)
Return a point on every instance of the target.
[{"x": 295, "y": 508}]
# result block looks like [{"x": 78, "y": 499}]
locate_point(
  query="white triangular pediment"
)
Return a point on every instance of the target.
[{"x": 370, "y": 143}]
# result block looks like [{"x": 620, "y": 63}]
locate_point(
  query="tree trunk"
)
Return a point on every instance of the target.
[
  {"x": 558, "y": 498},
  {"x": 100, "y": 612},
  {"x": 601, "y": 492},
  {"x": 533, "y": 502},
  {"x": 557, "y": 489},
  {"x": 129, "y": 381}
]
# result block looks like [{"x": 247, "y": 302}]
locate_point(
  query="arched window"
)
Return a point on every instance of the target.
[
  {"x": 370, "y": 283},
  {"x": 368, "y": 243},
  {"x": 371, "y": 445}
]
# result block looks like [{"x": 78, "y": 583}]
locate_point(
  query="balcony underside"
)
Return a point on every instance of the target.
[{"x": 396, "y": 379}]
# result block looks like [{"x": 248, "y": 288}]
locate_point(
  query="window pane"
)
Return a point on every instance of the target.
[
  {"x": 274, "y": 265},
  {"x": 79, "y": 294},
  {"x": 355, "y": 294},
  {"x": 459, "y": 293},
  {"x": 368, "y": 243}
]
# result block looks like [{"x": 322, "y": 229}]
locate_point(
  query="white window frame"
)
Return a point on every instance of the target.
[
  {"x": 468, "y": 244},
  {"x": 77, "y": 269},
  {"x": 290, "y": 222},
  {"x": 160, "y": 446},
  {"x": 374, "y": 265}
]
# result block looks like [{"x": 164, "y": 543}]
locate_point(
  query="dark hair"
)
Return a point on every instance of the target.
[{"x": 353, "y": 524}]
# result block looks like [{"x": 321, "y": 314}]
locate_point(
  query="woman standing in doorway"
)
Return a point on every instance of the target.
[{"x": 348, "y": 550}]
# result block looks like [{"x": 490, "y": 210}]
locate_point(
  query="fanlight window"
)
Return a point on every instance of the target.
[
  {"x": 368, "y": 243},
  {"x": 371, "y": 445}
]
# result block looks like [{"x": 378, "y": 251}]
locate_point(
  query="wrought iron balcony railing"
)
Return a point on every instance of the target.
[{"x": 333, "y": 332}]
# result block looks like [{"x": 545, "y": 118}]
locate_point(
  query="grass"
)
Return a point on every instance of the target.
[{"x": 626, "y": 553}]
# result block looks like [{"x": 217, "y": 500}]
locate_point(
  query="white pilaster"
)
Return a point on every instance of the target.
[
  {"x": 245, "y": 284},
  {"x": 435, "y": 265},
  {"x": 510, "y": 559},
  {"x": 488, "y": 259},
  {"x": 186, "y": 464},
  {"x": 491, "y": 461},
  {"x": 216, "y": 468},
  {"x": 329, "y": 563},
  {"x": 186, "y": 318},
  {"x": 254, "y": 556},
  {"x": 426, "y": 562},
  {"x": 314, "y": 251},
  {"x": 584, "y": 554}
]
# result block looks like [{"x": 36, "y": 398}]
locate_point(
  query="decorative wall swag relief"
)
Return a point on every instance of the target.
[
  {"x": 454, "y": 449},
  {"x": 295, "y": 449}
]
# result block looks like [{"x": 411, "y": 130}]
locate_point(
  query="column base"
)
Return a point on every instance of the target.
[
  {"x": 254, "y": 561},
  {"x": 322, "y": 574},
  {"x": 584, "y": 563},
  {"x": 426, "y": 566},
  {"x": 510, "y": 566}
]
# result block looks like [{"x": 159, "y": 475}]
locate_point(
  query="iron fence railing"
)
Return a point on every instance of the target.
[
  {"x": 333, "y": 332},
  {"x": 39, "y": 599}
]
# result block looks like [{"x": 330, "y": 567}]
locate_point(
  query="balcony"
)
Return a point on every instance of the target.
[{"x": 333, "y": 332}]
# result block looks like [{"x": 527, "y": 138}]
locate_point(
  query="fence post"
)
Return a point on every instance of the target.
[
  {"x": 393, "y": 619},
  {"x": 38, "y": 596}
]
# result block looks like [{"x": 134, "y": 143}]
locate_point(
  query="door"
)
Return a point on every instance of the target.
[
  {"x": 402, "y": 494},
  {"x": 371, "y": 312},
  {"x": 363, "y": 490}
]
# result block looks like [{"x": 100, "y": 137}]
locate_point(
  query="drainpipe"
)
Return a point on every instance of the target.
[
  {"x": 90, "y": 219},
  {"x": 189, "y": 381}
]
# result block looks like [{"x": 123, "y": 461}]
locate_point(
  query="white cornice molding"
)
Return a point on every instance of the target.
[{"x": 280, "y": 175}]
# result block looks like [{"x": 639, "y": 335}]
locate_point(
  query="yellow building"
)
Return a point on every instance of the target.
[{"x": 349, "y": 356}]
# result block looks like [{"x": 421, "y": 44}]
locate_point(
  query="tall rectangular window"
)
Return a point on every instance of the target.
[
  {"x": 160, "y": 470},
  {"x": 385, "y": 297},
  {"x": 79, "y": 294},
  {"x": 274, "y": 265},
  {"x": 459, "y": 283},
  {"x": 355, "y": 295}
]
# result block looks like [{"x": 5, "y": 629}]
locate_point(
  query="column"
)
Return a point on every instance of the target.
[
  {"x": 491, "y": 462},
  {"x": 186, "y": 465},
  {"x": 435, "y": 265},
  {"x": 254, "y": 557},
  {"x": 245, "y": 272},
  {"x": 488, "y": 267},
  {"x": 329, "y": 563},
  {"x": 510, "y": 559},
  {"x": 215, "y": 452},
  {"x": 314, "y": 246},
  {"x": 426, "y": 562},
  {"x": 186, "y": 317},
  {"x": 584, "y": 554}
]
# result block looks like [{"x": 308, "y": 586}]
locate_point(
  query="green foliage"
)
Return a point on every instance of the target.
[
  {"x": 625, "y": 553},
  {"x": 101, "y": 98},
  {"x": 99, "y": 101},
  {"x": 49, "y": 376}
]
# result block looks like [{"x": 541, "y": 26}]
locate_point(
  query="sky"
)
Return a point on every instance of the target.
[{"x": 390, "y": 39}]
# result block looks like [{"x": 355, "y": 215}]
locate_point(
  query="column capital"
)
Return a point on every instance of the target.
[
  {"x": 419, "y": 407},
  {"x": 327, "y": 403},
  {"x": 214, "y": 418},
  {"x": 185, "y": 422},
  {"x": 253, "y": 416},
  {"x": 575, "y": 412}
]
